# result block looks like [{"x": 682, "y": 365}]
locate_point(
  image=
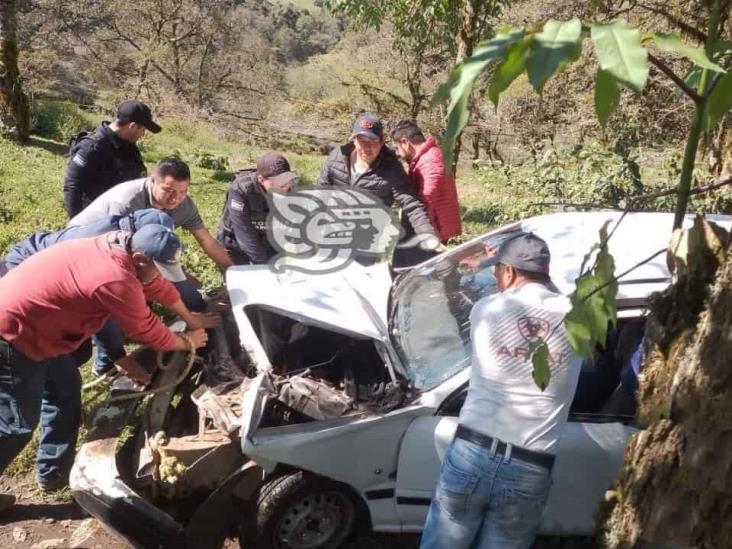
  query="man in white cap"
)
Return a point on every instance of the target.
[{"x": 496, "y": 474}]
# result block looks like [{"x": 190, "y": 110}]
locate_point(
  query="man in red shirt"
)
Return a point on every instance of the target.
[
  {"x": 434, "y": 184},
  {"x": 59, "y": 297}
]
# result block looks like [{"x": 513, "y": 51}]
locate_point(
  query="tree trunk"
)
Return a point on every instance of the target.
[
  {"x": 13, "y": 102},
  {"x": 676, "y": 484},
  {"x": 466, "y": 39}
]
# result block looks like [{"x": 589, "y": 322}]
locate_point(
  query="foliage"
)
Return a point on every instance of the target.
[
  {"x": 593, "y": 301},
  {"x": 57, "y": 121},
  {"x": 204, "y": 159},
  {"x": 622, "y": 59}
]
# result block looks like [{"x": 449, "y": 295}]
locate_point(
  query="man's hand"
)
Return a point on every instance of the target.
[
  {"x": 198, "y": 337},
  {"x": 491, "y": 249},
  {"x": 199, "y": 321},
  {"x": 133, "y": 370}
]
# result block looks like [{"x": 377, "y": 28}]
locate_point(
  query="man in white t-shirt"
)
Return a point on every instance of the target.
[{"x": 496, "y": 474}]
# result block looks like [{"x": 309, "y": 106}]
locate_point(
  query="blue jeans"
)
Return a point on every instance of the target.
[
  {"x": 49, "y": 391},
  {"x": 110, "y": 340},
  {"x": 60, "y": 417},
  {"x": 485, "y": 500}
]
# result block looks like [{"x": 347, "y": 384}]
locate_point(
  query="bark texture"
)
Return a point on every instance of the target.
[
  {"x": 14, "y": 107},
  {"x": 676, "y": 484}
]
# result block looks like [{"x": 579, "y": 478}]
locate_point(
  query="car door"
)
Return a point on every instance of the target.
[{"x": 588, "y": 459}]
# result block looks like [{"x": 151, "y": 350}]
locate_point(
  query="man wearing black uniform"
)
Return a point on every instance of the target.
[
  {"x": 242, "y": 229},
  {"x": 100, "y": 160}
]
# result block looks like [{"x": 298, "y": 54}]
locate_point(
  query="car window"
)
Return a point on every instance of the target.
[{"x": 430, "y": 320}]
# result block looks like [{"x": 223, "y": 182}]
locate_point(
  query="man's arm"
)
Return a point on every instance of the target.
[
  {"x": 194, "y": 321},
  {"x": 79, "y": 171},
  {"x": 213, "y": 249},
  {"x": 411, "y": 206}
]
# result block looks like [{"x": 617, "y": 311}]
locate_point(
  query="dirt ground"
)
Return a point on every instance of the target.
[
  {"x": 43, "y": 522},
  {"x": 38, "y": 521}
]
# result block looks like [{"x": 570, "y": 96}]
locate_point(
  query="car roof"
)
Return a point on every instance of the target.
[{"x": 571, "y": 235}]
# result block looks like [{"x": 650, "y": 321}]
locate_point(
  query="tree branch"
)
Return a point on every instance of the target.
[
  {"x": 660, "y": 65},
  {"x": 685, "y": 27}
]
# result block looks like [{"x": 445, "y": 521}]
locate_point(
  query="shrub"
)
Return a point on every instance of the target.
[
  {"x": 57, "y": 120},
  {"x": 209, "y": 161}
]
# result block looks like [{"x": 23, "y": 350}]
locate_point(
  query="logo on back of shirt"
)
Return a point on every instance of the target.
[
  {"x": 323, "y": 230},
  {"x": 533, "y": 328}
]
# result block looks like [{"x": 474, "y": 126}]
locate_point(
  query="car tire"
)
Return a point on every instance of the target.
[{"x": 304, "y": 511}]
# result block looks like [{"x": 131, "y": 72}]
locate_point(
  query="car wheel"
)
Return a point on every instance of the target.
[{"x": 304, "y": 511}]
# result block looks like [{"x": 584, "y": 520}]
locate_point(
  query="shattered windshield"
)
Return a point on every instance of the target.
[{"x": 430, "y": 317}]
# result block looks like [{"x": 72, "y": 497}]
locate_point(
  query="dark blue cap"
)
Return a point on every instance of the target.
[
  {"x": 163, "y": 246},
  {"x": 369, "y": 126},
  {"x": 525, "y": 251}
]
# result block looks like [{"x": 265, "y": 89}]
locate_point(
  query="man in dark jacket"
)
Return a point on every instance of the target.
[
  {"x": 242, "y": 229},
  {"x": 365, "y": 163},
  {"x": 107, "y": 156}
]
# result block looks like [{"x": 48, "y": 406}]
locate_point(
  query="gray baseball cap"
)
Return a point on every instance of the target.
[{"x": 524, "y": 251}]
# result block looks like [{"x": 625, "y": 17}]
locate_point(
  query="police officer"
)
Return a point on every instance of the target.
[
  {"x": 109, "y": 155},
  {"x": 242, "y": 229}
]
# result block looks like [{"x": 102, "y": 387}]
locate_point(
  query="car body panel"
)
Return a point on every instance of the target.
[{"x": 588, "y": 458}]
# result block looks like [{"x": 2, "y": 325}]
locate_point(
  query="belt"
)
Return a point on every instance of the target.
[{"x": 537, "y": 458}]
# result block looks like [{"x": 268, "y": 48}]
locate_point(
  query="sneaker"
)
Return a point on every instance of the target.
[
  {"x": 53, "y": 483},
  {"x": 6, "y": 502}
]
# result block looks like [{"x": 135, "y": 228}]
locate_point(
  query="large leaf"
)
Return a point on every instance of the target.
[
  {"x": 578, "y": 329},
  {"x": 593, "y": 303},
  {"x": 461, "y": 82},
  {"x": 509, "y": 69},
  {"x": 559, "y": 43},
  {"x": 539, "y": 354},
  {"x": 720, "y": 100},
  {"x": 607, "y": 96},
  {"x": 619, "y": 52},
  {"x": 672, "y": 42}
]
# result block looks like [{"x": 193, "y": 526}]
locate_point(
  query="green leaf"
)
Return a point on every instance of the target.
[
  {"x": 578, "y": 329},
  {"x": 512, "y": 65},
  {"x": 593, "y": 302},
  {"x": 720, "y": 100},
  {"x": 460, "y": 85},
  {"x": 539, "y": 354},
  {"x": 596, "y": 3},
  {"x": 559, "y": 43},
  {"x": 672, "y": 42},
  {"x": 619, "y": 52},
  {"x": 607, "y": 96}
]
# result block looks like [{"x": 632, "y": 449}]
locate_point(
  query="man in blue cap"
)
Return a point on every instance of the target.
[
  {"x": 496, "y": 474},
  {"x": 77, "y": 285},
  {"x": 61, "y": 406},
  {"x": 110, "y": 343}
]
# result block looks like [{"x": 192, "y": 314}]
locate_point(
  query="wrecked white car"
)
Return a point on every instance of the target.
[{"x": 324, "y": 403}]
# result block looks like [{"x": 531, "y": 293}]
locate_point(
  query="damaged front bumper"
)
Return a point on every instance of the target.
[{"x": 205, "y": 467}]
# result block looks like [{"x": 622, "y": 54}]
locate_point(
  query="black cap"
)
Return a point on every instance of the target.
[
  {"x": 274, "y": 166},
  {"x": 136, "y": 111},
  {"x": 525, "y": 251},
  {"x": 369, "y": 126}
]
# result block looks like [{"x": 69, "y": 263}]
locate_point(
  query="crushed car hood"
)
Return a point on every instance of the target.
[{"x": 352, "y": 301}]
